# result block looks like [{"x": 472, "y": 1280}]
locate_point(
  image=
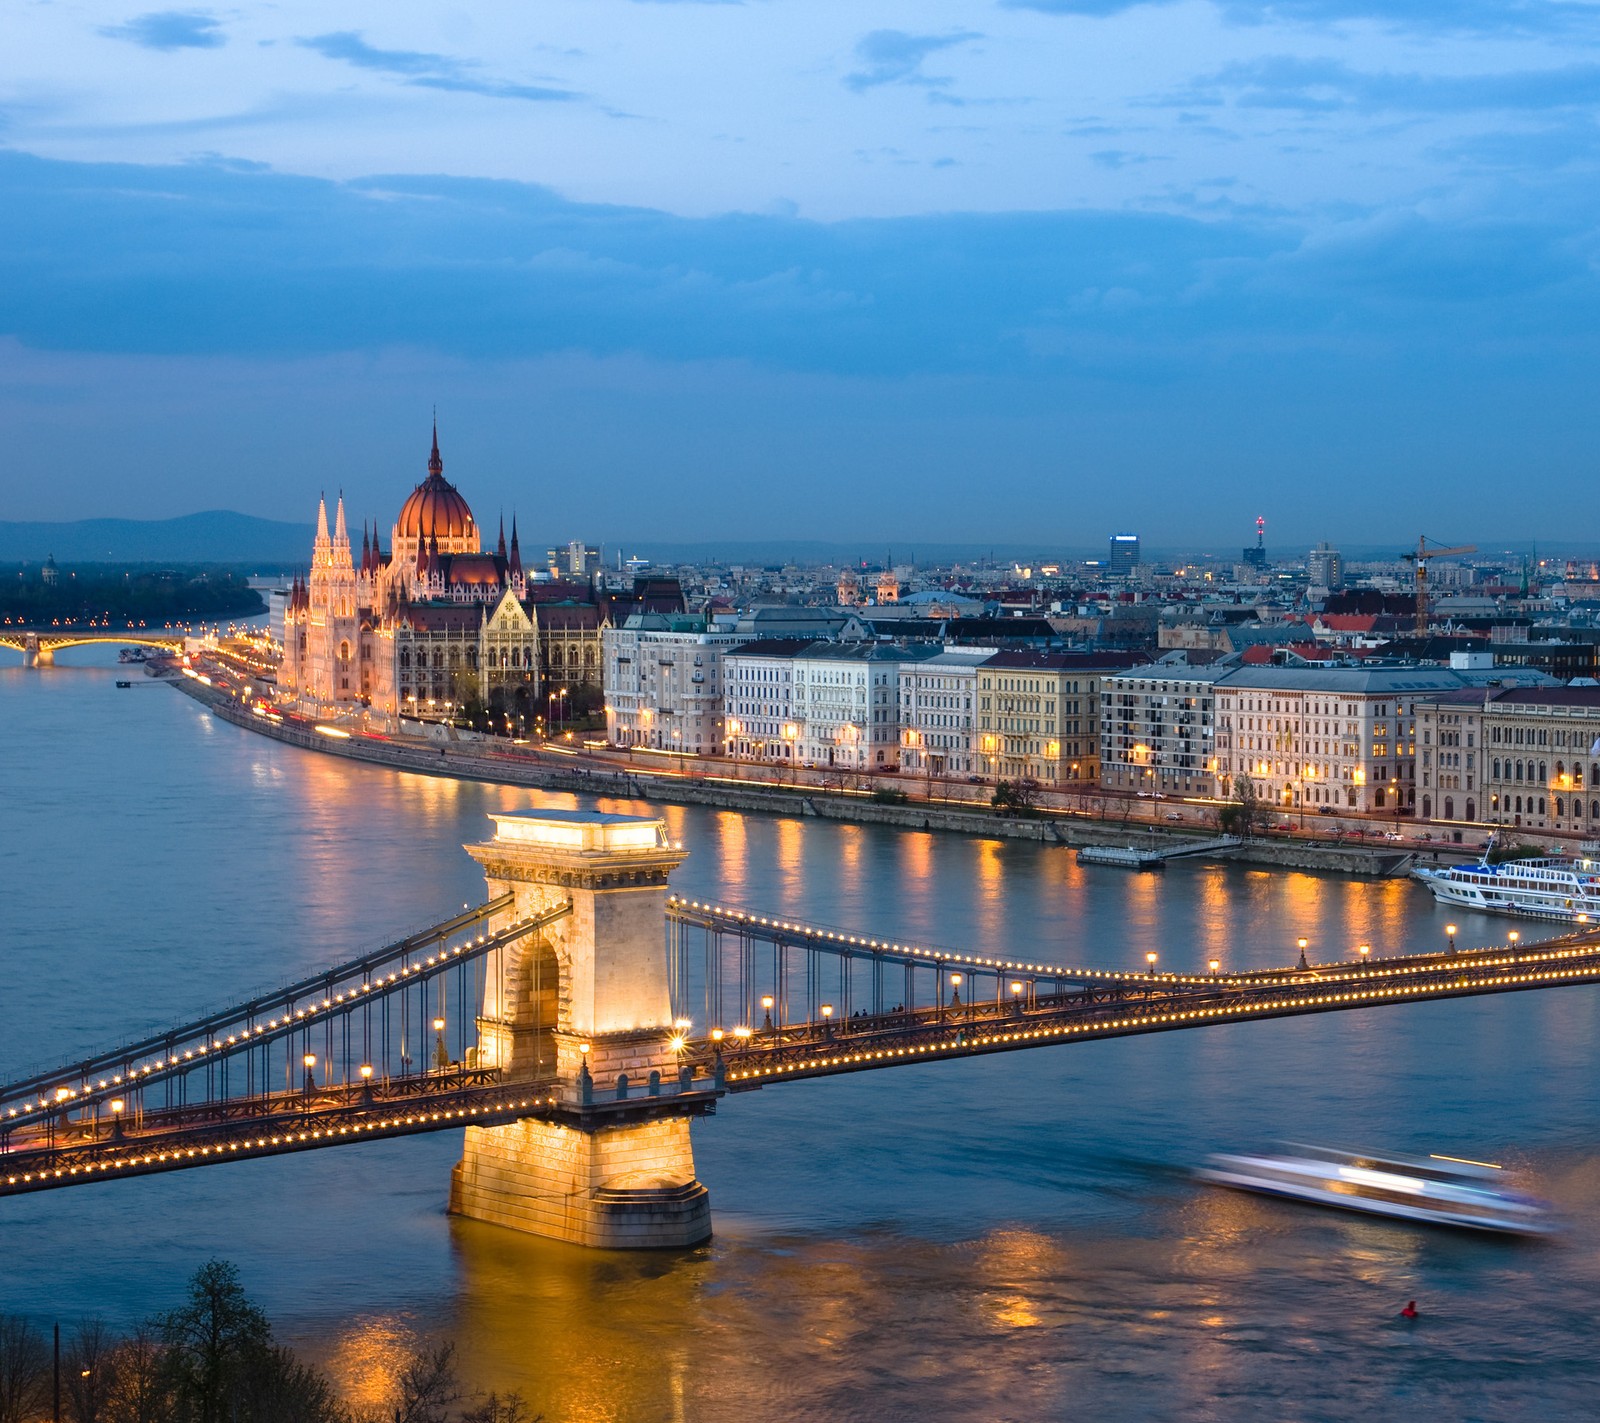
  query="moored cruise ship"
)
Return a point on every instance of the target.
[{"x": 1550, "y": 887}]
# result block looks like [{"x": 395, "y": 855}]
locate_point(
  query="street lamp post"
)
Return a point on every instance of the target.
[
  {"x": 1301, "y": 943},
  {"x": 1450, "y": 931}
]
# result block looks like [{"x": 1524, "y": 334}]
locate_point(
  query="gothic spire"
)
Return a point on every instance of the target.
[
  {"x": 435, "y": 464},
  {"x": 341, "y": 535},
  {"x": 322, "y": 519},
  {"x": 502, "y": 549}
]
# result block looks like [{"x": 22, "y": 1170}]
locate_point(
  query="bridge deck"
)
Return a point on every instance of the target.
[{"x": 222, "y": 1088}]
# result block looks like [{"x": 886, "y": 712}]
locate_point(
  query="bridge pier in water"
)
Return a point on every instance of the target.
[{"x": 588, "y": 1001}]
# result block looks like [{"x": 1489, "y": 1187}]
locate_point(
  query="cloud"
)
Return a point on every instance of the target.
[
  {"x": 1453, "y": 16},
  {"x": 1446, "y": 16},
  {"x": 1094, "y": 9},
  {"x": 211, "y": 261},
  {"x": 895, "y": 57},
  {"x": 170, "y": 29},
  {"x": 425, "y": 70},
  {"x": 1079, "y": 360},
  {"x": 1327, "y": 86}
]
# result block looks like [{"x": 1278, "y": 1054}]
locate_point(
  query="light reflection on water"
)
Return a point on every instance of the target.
[{"x": 1011, "y": 1237}]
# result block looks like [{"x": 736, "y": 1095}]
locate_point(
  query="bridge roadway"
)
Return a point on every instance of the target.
[
  {"x": 199, "y": 1095},
  {"x": 1037, "y": 1005}
]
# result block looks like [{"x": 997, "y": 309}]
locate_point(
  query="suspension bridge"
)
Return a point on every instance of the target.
[{"x": 576, "y": 1020}]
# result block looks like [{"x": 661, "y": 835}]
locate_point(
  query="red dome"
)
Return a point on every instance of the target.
[{"x": 435, "y": 508}]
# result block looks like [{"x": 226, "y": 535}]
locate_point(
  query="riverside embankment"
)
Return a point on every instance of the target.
[{"x": 484, "y": 760}]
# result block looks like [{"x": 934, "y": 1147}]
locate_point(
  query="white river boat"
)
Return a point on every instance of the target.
[
  {"x": 1549, "y": 887},
  {"x": 1431, "y": 1190}
]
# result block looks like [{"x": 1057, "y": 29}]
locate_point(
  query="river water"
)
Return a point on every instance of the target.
[{"x": 1011, "y": 1238}]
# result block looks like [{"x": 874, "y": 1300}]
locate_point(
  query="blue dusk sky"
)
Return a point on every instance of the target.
[{"x": 1011, "y": 271}]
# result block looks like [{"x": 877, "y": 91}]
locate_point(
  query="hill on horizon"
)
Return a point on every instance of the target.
[{"x": 215, "y": 536}]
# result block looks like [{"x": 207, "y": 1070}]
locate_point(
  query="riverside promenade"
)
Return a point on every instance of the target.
[{"x": 482, "y": 759}]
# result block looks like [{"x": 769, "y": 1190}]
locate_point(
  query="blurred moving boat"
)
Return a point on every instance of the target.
[{"x": 1436, "y": 1190}]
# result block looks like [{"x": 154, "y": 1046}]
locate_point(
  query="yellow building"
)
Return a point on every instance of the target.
[{"x": 1038, "y": 715}]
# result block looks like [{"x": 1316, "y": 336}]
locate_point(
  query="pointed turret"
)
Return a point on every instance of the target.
[
  {"x": 435, "y": 464},
  {"x": 515, "y": 577},
  {"x": 366, "y": 551},
  {"x": 341, "y": 535},
  {"x": 502, "y": 548}
]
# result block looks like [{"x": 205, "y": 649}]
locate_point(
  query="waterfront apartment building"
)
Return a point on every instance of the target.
[
  {"x": 1450, "y": 764},
  {"x": 847, "y": 703},
  {"x": 1336, "y": 737},
  {"x": 938, "y": 716},
  {"x": 663, "y": 683},
  {"x": 1517, "y": 756},
  {"x": 1158, "y": 730},
  {"x": 758, "y": 696},
  {"x": 1038, "y": 715}
]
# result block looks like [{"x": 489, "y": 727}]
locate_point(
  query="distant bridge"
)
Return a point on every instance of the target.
[
  {"x": 39, "y": 645},
  {"x": 549, "y": 1021}
]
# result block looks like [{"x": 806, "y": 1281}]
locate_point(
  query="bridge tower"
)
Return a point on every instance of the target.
[
  {"x": 586, "y": 1001},
  {"x": 35, "y": 655}
]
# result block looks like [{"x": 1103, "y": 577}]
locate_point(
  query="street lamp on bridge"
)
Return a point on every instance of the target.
[
  {"x": 310, "y": 1061},
  {"x": 1450, "y": 931},
  {"x": 1301, "y": 944}
]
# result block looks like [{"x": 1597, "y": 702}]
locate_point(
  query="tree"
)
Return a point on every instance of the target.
[
  {"x": 1245, "y": 813},
  {"x": 211, "y": 1344},
  {"x": 428, "y": 1386},
  {"x": 24, "y": 1370},
  {"x": 1015, "y": 797},
  {"x": 275, "y": 1387},
  {"x": 89, "y": 1372},
  {"x": 498, "y": 1408},
  {"x": 138, "y": 1380}
]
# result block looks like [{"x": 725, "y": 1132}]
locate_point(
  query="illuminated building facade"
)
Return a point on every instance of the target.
[
  {"x": 1038, "y": 715},
  {"x": 434, "y": 622}
]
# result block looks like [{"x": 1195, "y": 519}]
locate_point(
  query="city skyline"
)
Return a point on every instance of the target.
[{"x": 945, "y": 276}]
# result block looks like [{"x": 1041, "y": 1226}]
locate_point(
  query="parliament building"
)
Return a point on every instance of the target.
[{"x": 433, "y": 622}]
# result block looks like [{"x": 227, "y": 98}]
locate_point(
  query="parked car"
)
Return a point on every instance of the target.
[
  {"x": 1327, "y": 810},
  {"x": 1173, "y": 815}
]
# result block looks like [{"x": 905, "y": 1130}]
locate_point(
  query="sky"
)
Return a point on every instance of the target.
[{"x": 1006, "y": 271}]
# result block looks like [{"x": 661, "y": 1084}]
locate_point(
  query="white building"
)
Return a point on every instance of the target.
[
  {"x": 1342, "y": 737},
  {"x": 847, "y": 703},
  {"x": 938, "y": 720},
  {"x": 758, "y": 699},
  {"x": 663, "y": 683}
]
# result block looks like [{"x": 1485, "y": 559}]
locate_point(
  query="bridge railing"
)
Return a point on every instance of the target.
[{"x": 384, "y": 1014}]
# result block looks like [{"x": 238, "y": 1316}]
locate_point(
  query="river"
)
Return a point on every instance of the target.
[{"x": 1008, "y": 1238}]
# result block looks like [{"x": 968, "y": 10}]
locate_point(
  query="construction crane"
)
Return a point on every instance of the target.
[{"x": 1424, "y": 552}]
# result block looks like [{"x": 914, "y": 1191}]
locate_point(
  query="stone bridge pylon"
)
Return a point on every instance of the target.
[{"x": 586, "y": 1001}]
